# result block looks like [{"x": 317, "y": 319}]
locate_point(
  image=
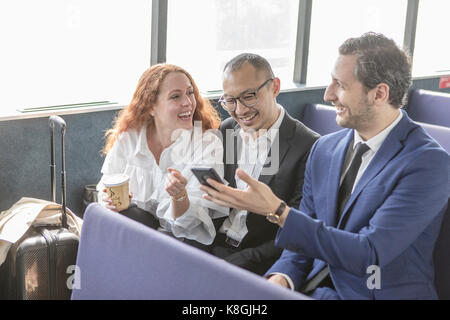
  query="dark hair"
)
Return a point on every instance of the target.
[
  {"x": 258, "y": 62},
  {"x": 380, "y": 60}
]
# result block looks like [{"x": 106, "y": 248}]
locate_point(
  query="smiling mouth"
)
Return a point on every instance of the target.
[
  {"x": 248, "y": 118},
  {"x": 185, "y": 115},
  {"x": 339, "y": 109}
]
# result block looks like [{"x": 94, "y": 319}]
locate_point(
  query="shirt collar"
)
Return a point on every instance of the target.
[
  {"x": 375, "y": 142},
  {"x": 141, "y": 145}
]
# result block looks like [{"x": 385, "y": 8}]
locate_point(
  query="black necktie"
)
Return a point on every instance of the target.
[{"x": 349, "y": 180}]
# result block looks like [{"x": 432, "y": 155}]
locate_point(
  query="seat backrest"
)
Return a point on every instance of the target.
[
  {"x": 320, "y": 118},
  {"x": 442, "y": 258},
  {"x": 438, "y": 133},
  {"x": 442, "y": 248},
  {"x": 119, "y": 258},
  {"x": 429, "y": 107}
]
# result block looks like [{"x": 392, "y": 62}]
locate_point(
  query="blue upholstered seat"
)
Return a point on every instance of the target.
[
  {"x": 442, "y": 258},
  {"x": 321, "y": 118},
  {"x": 439, "y": 133},
  {"x": 429, "y": 107},
  {"x": 442, "y": 249},
  {"x": 119, "y": 258}
]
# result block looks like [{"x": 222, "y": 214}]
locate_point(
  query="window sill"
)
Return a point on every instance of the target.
[
  {"x": 213, "y": 95},
  {"x": 16, "y": 115}
]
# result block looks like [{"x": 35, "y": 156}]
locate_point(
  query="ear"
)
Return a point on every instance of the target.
[
  {"x": 276, "y": 86},
  {"x": 381, "y": 94}
]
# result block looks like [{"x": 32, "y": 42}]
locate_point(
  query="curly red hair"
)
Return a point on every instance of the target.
[{"x": 138, "y": 112}]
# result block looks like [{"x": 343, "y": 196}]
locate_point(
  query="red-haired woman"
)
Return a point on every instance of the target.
[{"x": 155, "y": 141}]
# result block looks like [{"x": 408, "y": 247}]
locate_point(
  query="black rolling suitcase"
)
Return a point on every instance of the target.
[{"x": 40, "y": 266}]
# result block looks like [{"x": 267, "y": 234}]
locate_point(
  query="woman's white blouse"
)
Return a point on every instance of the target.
[{"x": 131, "y": 155}]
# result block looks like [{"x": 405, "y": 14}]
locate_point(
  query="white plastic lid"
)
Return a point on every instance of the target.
[{"x": 114, "y": 180}]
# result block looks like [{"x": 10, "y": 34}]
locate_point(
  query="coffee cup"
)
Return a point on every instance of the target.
[{"x": 117, "y": 189}]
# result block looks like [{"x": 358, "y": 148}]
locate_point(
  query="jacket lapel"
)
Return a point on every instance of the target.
[
  {"x": 281, "y": 145},
  {"x": 284, "y": 137},
  {"x": 334, "y": 176},
  {"x": 233, "y": 141}
]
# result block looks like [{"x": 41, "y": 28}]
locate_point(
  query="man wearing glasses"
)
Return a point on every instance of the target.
[{"x": 262, "y": 139}]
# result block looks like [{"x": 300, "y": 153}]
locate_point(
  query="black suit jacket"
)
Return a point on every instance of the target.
[{"x": 257, "y": 251}]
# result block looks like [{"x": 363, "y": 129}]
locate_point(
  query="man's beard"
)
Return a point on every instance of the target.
[{"x": 360, "y": 120}]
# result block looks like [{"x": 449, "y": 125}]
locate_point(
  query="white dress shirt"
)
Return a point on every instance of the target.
[
  {"x": 131, "y": 155},
  {"x": 253, "y": 155},
  {"x": 373, "y": 143}
]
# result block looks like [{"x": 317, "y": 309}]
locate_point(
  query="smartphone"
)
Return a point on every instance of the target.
[{"x": 203, "y": 173}]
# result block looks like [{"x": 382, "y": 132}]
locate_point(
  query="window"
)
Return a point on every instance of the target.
[
  {"x": 332, "y": 22},
  {"x": 72, "y": 51},
  {"x": 57, "y": 52},
  {"x": 432, "y": 47},
  {"x": 205, "y": 34}
]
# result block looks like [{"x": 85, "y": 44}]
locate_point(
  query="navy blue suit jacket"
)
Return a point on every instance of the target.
[{"x": 393, "y": 217}]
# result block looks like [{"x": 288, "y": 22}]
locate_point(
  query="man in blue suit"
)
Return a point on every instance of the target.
[{"x": 374, "y": 194}]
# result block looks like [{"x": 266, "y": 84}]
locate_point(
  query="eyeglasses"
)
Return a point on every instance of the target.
[{"x": 248, "y": 99}]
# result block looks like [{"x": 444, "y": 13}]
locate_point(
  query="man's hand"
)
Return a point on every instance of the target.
[
  {"x": 279, "y": 280},
  {"x": 257, "y": 197}
]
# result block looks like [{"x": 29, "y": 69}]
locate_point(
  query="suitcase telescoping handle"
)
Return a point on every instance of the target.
[{"x": 62, "y": 124}]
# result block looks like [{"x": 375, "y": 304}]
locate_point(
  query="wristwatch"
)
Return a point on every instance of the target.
[{"x": 274, "y": 217}]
